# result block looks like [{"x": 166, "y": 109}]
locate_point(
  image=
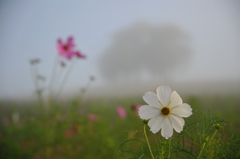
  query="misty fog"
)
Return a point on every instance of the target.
[{"x": 145, "y": 51}]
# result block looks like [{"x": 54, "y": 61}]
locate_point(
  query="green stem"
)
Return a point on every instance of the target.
[
  {"x": 149, "y": 147},
  {"x": 65, "y": 78},
  {"x": 162, "y": 154},
  {"x": 169, "y": 147},
  {"x": 53, "y": 76},
  {"x": 83, "y": 93},
  {"x": 157, "y": 141},
  {"x": 205, "y": 144}
]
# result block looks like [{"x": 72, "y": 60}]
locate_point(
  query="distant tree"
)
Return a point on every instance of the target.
[{"x": 145, "y": 50}]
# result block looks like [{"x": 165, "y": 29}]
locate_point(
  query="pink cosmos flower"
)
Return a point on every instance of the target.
[
  {"x": 93, "y": 117},
  {"x": 121, "y": 112},
  {"x": 135, "y": 108},
  {"x": 67, "y": 49},
  {"x": 68, "y": 133},
  {"x": 5, "y": 121}
]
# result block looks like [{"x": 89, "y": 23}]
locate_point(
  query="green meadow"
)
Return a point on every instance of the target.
[{"x": 92, "y": 129}]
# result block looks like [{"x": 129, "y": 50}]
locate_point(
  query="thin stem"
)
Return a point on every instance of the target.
[
  {"x": 52, "y": 82},
  {"x": 149, "y": 147},
  {"x": 33, "y": 74},
  {"x": 200, "y": 153},
  {"x": 205, "y": 144},
  {"x": 65, "y": 78},
  {"x": 157, "y": 141},
  {"x": 58, "y": 77},
  {"x": 169, "y": 147},
  {"x": 84, "y": 92},
  {"x": 53, "y": 73},
  {"x": 162, "y": 150}
]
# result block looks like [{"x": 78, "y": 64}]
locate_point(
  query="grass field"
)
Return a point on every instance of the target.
[{"x": 93, "y": 130}]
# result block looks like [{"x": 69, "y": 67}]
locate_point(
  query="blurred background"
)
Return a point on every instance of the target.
[{"x": 131, "y": 46}]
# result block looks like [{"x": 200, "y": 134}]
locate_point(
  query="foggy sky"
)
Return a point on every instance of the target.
[{"x": 29, "y": 29}]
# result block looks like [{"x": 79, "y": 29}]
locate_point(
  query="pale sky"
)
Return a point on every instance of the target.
[{"x": 29, "y": 29}]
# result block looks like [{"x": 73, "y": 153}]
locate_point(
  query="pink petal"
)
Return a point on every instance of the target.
[
  {"x": 121, "y": 112},
  {"x": 69, "y": 55},
  {"x": 78, "y": 54},
  {"x": 92, "y": 117},
  {"x": 59, "y": 41},
  {"x": 137, "y": 109},
  {"x": 60, "y": 50},
  {"x": 70, "y": 42}
]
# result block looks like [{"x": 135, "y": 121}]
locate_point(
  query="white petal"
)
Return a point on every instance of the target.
[
  {"x": 164, "y": 94},
  {"x": 175, "y": 99},
  {"x": 167, "y": 128},
  {"x": 148, "y": 112},
  {"x": 183, "y": 110},
  {"x": 177, "y": 122},
  {"x": 152, "y": 99},
  {"x": 156, "y": 123}
]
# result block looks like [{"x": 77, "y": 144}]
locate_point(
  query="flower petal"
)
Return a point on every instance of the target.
[
  {"x": 79, "y": 55},
  {"x": 121, "y": 112},
  {"x": 177, "y": 123},
  {"x": 175, "y": 100},
  {"x": 59, "y": 41},
  {"x": 183, "y": 110},
  {"x": 148, "y": 112},
  {"x": 167, "y": 128},
  {"x": 164, "y": 94},
  {"x": 69, "y": 54},
  {"x": 155, "y": 123},
  {"x": 152, "y": 99},
  {"x": 70, "y": 42}
]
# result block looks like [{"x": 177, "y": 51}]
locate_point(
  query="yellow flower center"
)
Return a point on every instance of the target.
[{"x": 165, "y": 110}]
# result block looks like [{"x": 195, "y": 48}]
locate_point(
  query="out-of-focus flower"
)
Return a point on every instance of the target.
[
  {"x": 131, "y": 134},
  {"x": 121, "y": 112},
  {"x": 67, "y": 49},
  {"x": 40, "y": 77},
  {"x": 68, "y": 133},
  {"x": 16, "y": 117},
  {"x": 34, "y": 61},
  {"x": 135, "y": 108},
  {"x": 92, "y": 78},
  {"x": 75, "y": 126},
  {"x": 5, "y": 121},
  {"x": 93, "y": 117},
  {"x": 165, "y": 111},
  {"x": 62, "y": 63}
]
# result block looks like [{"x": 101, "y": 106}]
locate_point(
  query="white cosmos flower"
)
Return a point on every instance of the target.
[{"x": 164, "y": 111}]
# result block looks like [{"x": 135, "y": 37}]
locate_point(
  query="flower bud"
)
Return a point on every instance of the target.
[{"x": 217, "y": 126}]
